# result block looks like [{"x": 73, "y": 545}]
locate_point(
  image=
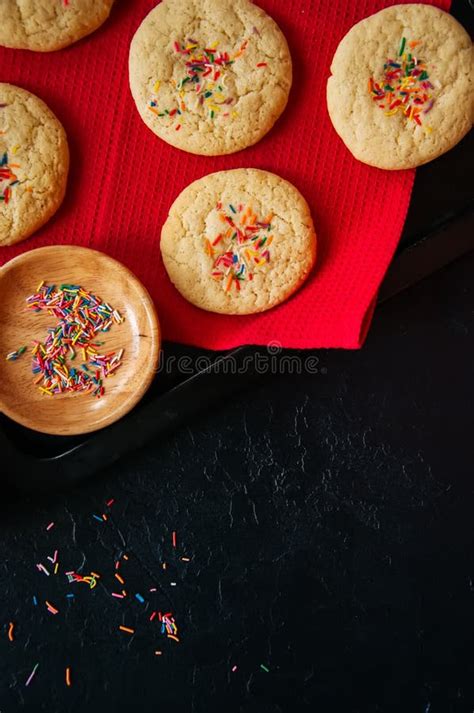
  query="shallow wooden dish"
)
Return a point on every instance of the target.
[{"x": 138, "y": 335}]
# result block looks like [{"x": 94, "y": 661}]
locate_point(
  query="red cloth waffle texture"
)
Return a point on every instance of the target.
[{"x": 123, "y": 178}]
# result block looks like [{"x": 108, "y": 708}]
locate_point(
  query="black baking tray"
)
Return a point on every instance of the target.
[{"x": 439, "y": 229}]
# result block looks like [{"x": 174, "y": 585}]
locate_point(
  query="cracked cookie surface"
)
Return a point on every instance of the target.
[
  {"x": 34, "y": 163},
  {"x": 210, "y": 77},
  {"x": 400, "y": 92},
  {"x": 239, "y": 242},
  {"x": 47, "y": 25}
]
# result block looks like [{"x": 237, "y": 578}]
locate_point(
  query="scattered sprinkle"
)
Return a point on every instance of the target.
[
  {"x": 126, "y": 629},
  {"x": 51, "y": 608},
  {"x": 11, "y": 628},
  {"x": 168, "y": 626},
  {"x": 54, "y": 558},
  {"x": 50, "y": 526},
  {"x": 32, "y": 674},
  {"x": 165, "y": 620},
  {"x": 13, "y": 356},
  {"x": 264, "y": 668}
]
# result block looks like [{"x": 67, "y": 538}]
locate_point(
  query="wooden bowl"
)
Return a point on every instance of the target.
[{"x": 139, "y": 336}]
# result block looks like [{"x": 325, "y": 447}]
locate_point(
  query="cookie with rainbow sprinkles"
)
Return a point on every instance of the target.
[
  {"x": 400, "y": 92},
  {"x": 239, "y": 242},
  {"x": 210, "y": 77},
  {"x": 49, "y": 25},
  {"x": 34, "y": 164}
]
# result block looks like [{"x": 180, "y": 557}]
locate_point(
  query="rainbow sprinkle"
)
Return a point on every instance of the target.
[
  {"x": 13, "y": 356},
  {"x": 32, "y": 675},
  {"x": 81, "y": 317},
  {"x": 206, "y": 70},
  {"x": 245, "y": 245},
  {"x": 405, "y": 86},
  {"x": 11, "y": 628},
  {"x": 168, "y": 626},
  {"x": 91, "y": 580},
  {"x": 8, "y": 177},
  {"x": 127, "y": 629}
]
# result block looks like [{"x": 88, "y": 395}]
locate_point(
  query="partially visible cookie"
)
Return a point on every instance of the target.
[
  {"x": 46, "y": 25},
  {"x": 401, "y": 90},
  {"x": 239, "y": 241},
  {"x": 34, "y": 162},
  {"x": 210, "y": 76}
]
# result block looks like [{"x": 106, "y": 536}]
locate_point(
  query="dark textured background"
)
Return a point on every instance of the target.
[{"x": 329, "y": 522}]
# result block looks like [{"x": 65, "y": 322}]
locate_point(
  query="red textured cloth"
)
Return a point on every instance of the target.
[{"x": 123, "y": 178}]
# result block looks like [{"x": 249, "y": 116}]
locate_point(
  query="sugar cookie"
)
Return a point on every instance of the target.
[
  {"x": 239, "y": 241},
  {"x": 210, "y": 77},
  {"x": 400, "y": 92},
  {"x": 34, "y": 162}
]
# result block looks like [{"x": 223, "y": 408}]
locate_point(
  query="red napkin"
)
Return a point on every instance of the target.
[{"x": 123, "y": 178}]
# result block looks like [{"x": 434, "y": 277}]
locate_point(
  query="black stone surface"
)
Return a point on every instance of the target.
[{"x": 328, "y": 518}]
